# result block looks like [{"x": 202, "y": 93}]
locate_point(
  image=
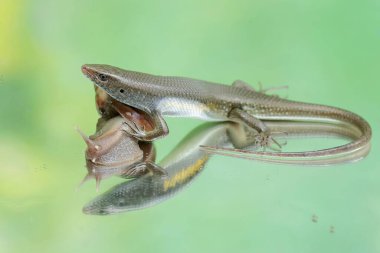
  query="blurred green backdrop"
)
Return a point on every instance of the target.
[{"x": 326, "y": 51}]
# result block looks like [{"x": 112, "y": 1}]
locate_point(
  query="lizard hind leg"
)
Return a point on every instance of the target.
[
  {"x": 262, "y": 137},
  {"x": 157, "y": 129},
  {"x": 243, "y": 85},
  {"x": 261, "y": 89},
  {"x": 271, "y": 144},
  {"x": 275, "y": 88}
]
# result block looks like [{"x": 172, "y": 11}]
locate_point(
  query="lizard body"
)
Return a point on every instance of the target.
[{"x": 185, "y": 97}]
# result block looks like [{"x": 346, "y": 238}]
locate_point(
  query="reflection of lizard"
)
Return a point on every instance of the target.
[
  {"x": 182, "y": 165},
  {"x": 187, "y": 160},
  {"x": 185, "y": 97}
]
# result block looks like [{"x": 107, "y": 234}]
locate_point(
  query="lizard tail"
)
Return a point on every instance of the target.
[{"x": 354, "y": 126}]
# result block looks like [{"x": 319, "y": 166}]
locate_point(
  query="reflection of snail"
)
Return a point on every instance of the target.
[
  {"x": 182, "y": 164},
  {"x": 111, "y": 150},
  {"x": 111, "y": 136},
  {"x": 187, "y": 160}
]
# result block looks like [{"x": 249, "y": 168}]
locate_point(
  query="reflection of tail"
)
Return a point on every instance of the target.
[
  {"x": 350, "y": 152},
  {"x": 314, "y": 113},
  {"x": 296, "y": 158}
]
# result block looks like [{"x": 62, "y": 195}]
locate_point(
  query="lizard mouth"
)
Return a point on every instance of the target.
[{"x": 91, "y": 74}]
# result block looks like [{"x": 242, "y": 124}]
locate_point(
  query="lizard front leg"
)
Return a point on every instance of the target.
[
  {"x": 139, "y": 124},
  {"x": 160, "y": 128}
]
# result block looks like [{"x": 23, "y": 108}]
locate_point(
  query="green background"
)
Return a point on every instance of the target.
[{"x": 326, "y": 51}]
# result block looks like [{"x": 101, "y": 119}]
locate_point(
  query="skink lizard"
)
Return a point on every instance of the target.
[{"x": 185, "y": 97}]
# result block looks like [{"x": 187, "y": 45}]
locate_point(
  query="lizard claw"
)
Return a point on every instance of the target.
[
  {"x": 134, "y": 130},
  {"x": 264, "y": 140},
  {"x": 270, "y": 89}
]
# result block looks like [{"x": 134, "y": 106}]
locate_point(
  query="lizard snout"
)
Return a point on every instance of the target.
[{"x": 87, "y": 71}]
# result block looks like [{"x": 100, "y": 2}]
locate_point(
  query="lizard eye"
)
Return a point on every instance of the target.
[{"x": 103, "y": 77}]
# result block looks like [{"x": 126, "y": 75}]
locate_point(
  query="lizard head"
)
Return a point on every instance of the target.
[
  {"x": 102, "y": 75},
  {"x": 134, "y": 194},
  {"x": 109, "y": 78}
]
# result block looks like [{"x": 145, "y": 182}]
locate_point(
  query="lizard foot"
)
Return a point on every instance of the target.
[
  {"x": 270, "y": 89},
  {"x": 261, "y": 89},
  {"x": 135, "y": 130},
  {"x": 144, "y": 131},
  {"x": 265, "y": 140}
]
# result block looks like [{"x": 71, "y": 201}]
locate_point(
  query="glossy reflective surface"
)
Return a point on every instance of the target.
[
  {"x": 188, "y": 159},
  {"x": 326, "y": 51}
]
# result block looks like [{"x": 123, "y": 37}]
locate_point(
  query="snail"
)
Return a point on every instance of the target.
[{"x": 112, "y": 150}]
